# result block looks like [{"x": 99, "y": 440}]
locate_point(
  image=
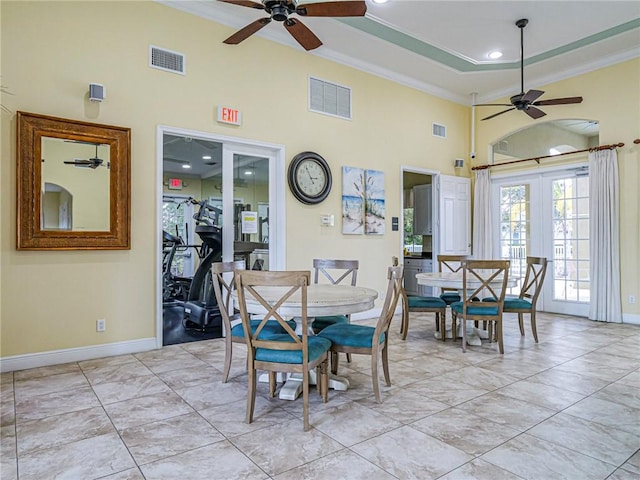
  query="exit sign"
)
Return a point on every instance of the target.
[
  {"x": 175, "y": 184},
  {"x": 229, "y": 115}
]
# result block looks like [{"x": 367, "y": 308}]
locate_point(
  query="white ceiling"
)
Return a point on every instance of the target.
[{"x": 440, "y": 47}]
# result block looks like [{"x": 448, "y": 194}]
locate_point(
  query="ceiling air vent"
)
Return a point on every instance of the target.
[
  {"x": 166, "y": 60},
  {"x": 329, "y": 98},
  {"x": 438, "y": 130}
]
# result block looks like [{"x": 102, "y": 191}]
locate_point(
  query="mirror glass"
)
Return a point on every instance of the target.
[
  {"x": 547, "y": 138},
  {"x": 75, "y": 179},
  {"x": 73, "y": 184}
]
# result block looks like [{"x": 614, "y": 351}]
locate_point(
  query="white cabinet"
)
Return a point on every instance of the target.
[
  {"x": 422, "y": 210},
  {"x": 412, "y": 266}
]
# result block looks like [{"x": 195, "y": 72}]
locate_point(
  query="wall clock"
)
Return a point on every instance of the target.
[{"x": 309, "y": 178}]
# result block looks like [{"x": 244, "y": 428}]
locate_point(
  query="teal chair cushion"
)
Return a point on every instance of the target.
[
  {"x": 320, "y": 323},
  {"x": 351, "y": 335},
  {"x": 517, "y": 304},
  {"x": 450, "y": 297},
  {"x": 471, "y": 310},
  {"x": 271, "y": 328},
  {"x": 426, "y": 302},
  {"x": 316, "y": 347}
]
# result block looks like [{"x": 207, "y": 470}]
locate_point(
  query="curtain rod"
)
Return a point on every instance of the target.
[{"x": 537, "y": 159}]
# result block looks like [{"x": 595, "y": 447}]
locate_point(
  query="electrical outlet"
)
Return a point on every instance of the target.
[
  {"x": 632, "y": 299},
  {"x": 101, "y": 325}
]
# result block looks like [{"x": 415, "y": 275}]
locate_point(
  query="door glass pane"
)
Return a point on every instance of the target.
[
  {"x": 251, "y": 210},
  {"x": 571, "y": 239},
  {"x": 514, "y": 229}
]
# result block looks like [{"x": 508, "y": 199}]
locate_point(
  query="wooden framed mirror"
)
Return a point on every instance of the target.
[{"x": 74, "y": 185}]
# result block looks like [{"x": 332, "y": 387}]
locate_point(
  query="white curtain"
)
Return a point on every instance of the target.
[
  {"x": 604, "y": 233},
  {"x": 482, "y": 241}
]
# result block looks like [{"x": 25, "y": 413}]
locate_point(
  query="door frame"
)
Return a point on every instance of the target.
[{"x": 277, "y": 187}]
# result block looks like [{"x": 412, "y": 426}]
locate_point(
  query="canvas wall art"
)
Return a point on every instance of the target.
[
  {"x": 352, "y": 200},
  {"x": 374, "y": 202}
]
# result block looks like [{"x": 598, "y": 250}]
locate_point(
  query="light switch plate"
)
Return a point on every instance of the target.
[{"x": 327, "y": 220}]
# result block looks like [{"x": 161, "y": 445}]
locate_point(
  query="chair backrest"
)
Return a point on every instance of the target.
[
  {"x": 532, "y": 286},
  {"x": 392, "y": 295},
  {"x": 223, "y": 289},
  {"x": 479, "y": 276},
  {"x": 293, "y": 284},
  {"x": 335, "y": 270},
  {"x": 450, "y": 263}
]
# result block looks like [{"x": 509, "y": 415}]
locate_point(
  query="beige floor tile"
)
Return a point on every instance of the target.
[
  {"x": 596, "y": 370},
  {"x": 479, "y": 470},
  {"x": 116, "y": 373},
  {"x": 573, "y": 382},
  {"x": 469, "y": 433},
  {"x": 176, "y": 361},
  {"x": 8, "y": 455},
  {"x": 57, "y": 403},
  {"x": 409, "y": 454},
  {"x": 607, "y": 413},
  {"x": 157, "y": 440},
  {"x": 279, "y": 448},
  {"x": 340, "y": 465},
  {"x": 507, "y": 411},
  {"x": 107, "y": 361},
  {"x": 212, "y": 394},
  {"x": 40, "y": 372},
  {"x": 189, "y": 377},
  {"x": 129, "y": 474},
  {"x": 483, "y": 378},
  {"x": 404, "y": 405},
  {"x": 141, "y": 410},
  {"x": 61, "y": 429},
  {"x": 590, "y": 438},
  {"x": 619, "y": 392},
  {"x": 31, "y": 387},
  {"x": 90, "y": 458},
  {"x": 632, "y": 379},
  {"x": 6, "y": 379},
  {"x": 446, "y": 389},
  {"x": 7, "y": 406},
  {"x": 622, "y": 474},
  {"x": 532, "y": 458},
  {"x": 542, "y": 395},
  {"x": 129, "y": 388}
]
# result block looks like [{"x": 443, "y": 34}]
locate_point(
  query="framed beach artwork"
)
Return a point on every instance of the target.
[
  {"x": 374, "y": 223},
  {"x": 352, "y": 200}
]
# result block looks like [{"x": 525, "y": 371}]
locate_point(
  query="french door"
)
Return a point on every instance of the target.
[{"x": 547, "y": 215}]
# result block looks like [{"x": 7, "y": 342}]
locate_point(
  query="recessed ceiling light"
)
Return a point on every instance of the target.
[
  {"x": 186, "y": 165},
  {"x": 380, "y": 1},
  {"x": 494, "y": 55},
  {"x": 206, "y": 157}
]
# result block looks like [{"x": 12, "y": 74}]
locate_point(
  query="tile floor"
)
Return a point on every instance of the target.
[{"x": 566, "y": 408}]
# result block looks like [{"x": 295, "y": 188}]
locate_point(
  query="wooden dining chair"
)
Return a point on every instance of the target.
[
  {"x": 416, "y": 303},
  {"x": 490, "y": 276},
  {"x": 286, "y": 352},
  {"x": 231, "y": 321},
  {"x": 335, "y": 272},
  {"x": 531, "y": 288},
  {"x": 450, "y": 263},
  {"x": 366, "y": 340}
]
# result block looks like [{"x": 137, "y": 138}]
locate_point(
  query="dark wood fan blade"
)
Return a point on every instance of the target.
[
  {"x": 247, "y": 31},
  {"x": 531, "y": 95},
  {"x": 245, "y": 3},
  {"x": 78, "y": 162},
  {"x": 333, "y": 9},
  {"x": 302, "y": 34},
  {"x": 559, "y": 101},
  {"x": 499, "y": 113},
  {"x": 492, "y": 105},
  {"x": 534, "y": 112}
]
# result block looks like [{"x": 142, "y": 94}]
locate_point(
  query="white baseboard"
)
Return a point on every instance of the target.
[
  {"x": 55, "y": 357},
  {"x": 631, "y": 318}
]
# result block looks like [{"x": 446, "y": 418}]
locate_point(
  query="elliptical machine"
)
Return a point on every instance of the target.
[{"x": 200, "y": 307}]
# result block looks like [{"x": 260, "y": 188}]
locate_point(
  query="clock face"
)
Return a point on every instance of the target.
[{"x": 309, "y": 178}]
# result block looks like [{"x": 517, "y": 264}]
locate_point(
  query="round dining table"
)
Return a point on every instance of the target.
[
  {"x": 454, "y": 280},
  {"x": 322, "y": 300}
]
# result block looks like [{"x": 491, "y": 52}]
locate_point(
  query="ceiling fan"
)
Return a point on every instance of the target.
[
  {"x": 93, "y": 162},
  {"x": 280, "y": 11},
  {"x": 526, "y": 102}
]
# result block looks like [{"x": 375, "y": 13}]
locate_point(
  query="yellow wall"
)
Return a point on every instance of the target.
[
  {"x": 50, "y": 54},
  {"x": 611, "y": 96}
]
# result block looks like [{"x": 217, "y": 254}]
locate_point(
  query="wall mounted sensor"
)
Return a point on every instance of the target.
[{"x": 97, "y": 92}]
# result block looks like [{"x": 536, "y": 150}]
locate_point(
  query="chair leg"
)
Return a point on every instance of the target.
[
  {"x": 228, "y": 345},
  {"x": 534, "y": 329},
  {"x": 324, "y": 380},
  {"x": 521, "y": 323},
  {"x": 251, "y": 395},
  {"x": 272, "y": 384},
  {"x": 334, "y": 362},
  {"x": 305, "y": 399},
  {"x": 463, "y": 326},
  {"x": 441, "y": 320},
  {"x": 454, "y": 330},
  {"x": 348, "y": 358},
  {"x": 490, "y": 332},
  {"x": 385, "y": 365},
  {"x": 374, "y": 376},
  {"x": 499, "y": 335}
]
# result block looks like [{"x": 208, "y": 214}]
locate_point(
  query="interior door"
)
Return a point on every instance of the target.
[{"x": 454, "y": 200}]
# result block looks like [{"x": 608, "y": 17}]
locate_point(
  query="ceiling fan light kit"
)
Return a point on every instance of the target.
[
  {"x": 527, "y": 102},
  {"x": 281, "y": 10}
]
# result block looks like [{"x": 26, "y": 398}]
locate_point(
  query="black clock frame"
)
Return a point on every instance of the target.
[{"x": 293, "y": 182}]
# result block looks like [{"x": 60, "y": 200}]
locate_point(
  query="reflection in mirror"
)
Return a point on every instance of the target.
[
  {"x": 547, "y": 138},
  {"x": 75, "y": 176},
  {"x": 73, "y": 184}
]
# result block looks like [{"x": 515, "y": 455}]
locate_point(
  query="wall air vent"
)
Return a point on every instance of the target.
[
  {"x": 438, "y": 130},
  {"x": 329, "y": 98},
  {"x": 166, "y": 60}
]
